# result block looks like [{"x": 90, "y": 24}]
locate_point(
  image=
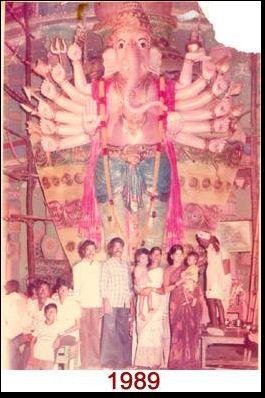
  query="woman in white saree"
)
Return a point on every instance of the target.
[{"x": 150, "y": 328}]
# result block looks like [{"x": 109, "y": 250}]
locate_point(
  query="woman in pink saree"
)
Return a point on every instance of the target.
[{"x": 184, "y": 315}]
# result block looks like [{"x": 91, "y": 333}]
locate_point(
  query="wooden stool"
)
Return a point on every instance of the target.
[
  {"x": 231, "y": 337},
  {"x": 67, "y": 357}
]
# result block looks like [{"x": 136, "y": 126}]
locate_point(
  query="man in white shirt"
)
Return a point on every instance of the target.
[
  {"x": 116, "y": 289},
  {"x": 16, "y": 324},
  {"x": 68, "y": 314},
  {"x": 36, "y": 312},
  {"x": 87, "y": 276},
  {"x": 36, "y": 307}
]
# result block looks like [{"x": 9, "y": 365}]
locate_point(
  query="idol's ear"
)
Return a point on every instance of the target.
[
  {"x": 110, "y": 62},
  {"x": 155, "y": 60}
]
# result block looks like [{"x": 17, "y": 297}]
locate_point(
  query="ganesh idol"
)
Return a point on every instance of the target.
[{"x": 131, "y": 118}]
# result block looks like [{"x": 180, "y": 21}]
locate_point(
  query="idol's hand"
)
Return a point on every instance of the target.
[
  {"x": 49, "y": 144},
  {"x": 90, "y": 118},
  {"x": 47, "y": 127},
  {"x": 45, "y": 111},
  {"x": 74, "y": 52},
  {"x": 197, "y": 56},
  {"x": 217, "y": 145},
  {"x": 208, "y": 69},
  {"x": 220, "y": 85},
  {"x": 222, "y": 124},
  {"x": 223, "y": 108},
  {"x": 58, "y": 73},
  {"x": 48, "y": 90},
  {"x": 174, "y": 122}
]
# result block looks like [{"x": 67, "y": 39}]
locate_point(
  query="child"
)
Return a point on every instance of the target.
[
  {"x": 142, "y": 281},
  {"x": 44, "y": 340},
  {"x": 190, "y": 278}
]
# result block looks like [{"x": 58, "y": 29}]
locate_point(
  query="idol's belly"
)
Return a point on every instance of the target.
[{"x": 120, "y": 135}]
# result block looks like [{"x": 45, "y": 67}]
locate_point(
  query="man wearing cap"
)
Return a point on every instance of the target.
[{"x": 218, "y": 265}]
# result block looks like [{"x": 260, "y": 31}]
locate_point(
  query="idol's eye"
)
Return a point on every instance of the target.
[
  {"x": 142, "y": 43},
  {"x": 121, "y": 44}
]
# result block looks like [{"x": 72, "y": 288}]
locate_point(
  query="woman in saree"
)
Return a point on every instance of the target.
[
  {"x": 184, "y": 317},
  {"x": 149, "y": 328}
]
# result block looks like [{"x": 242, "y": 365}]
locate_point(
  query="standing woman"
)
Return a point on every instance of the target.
[
  {"x": 141, "y": 264},
  {"x": 185, "y": 319},
  {"x": 149, "y": 352}
]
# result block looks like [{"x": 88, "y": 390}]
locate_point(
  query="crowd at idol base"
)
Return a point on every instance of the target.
[{"x": 146, "y": 315}]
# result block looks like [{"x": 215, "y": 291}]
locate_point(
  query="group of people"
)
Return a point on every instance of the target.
[{"x": 141, "y": 315}]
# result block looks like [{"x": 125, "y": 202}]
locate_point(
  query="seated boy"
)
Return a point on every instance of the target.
[{"x": 45, "y": 340}]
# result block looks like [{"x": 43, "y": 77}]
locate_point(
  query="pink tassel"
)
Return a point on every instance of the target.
[
  {"x": 174, "y": 221},
  {"x": 90, "y": 223}
]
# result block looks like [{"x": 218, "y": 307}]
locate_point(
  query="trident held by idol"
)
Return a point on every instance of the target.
[{"x": 58, "y": 47}]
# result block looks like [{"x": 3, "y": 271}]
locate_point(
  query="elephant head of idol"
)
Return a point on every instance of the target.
[{"x": 130, "y": 53}]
